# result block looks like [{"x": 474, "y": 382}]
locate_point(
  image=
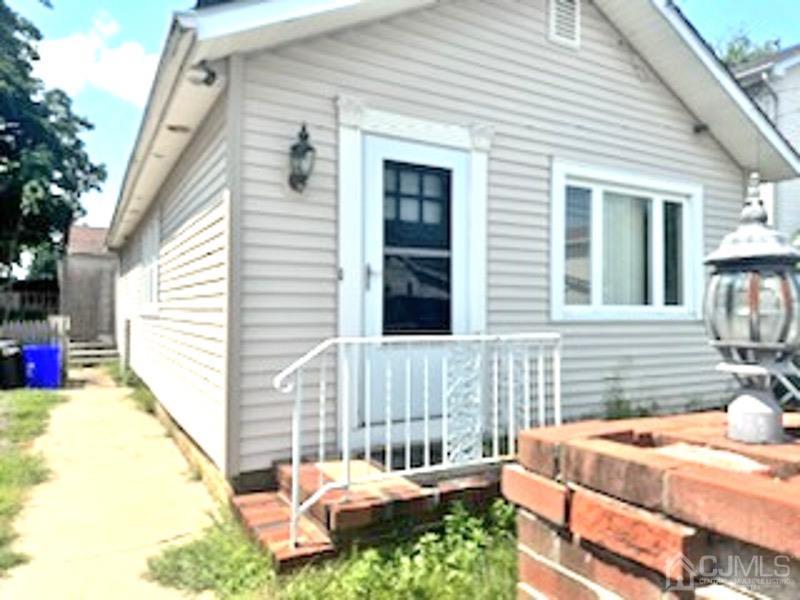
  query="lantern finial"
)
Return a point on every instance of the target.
[{"x": 753, "y": 211}]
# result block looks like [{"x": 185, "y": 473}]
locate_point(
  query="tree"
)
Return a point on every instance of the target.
[
  {"x": 44, "y": 166},
  {"x": 739, "y": 48},
  {"x": 45, "y": 262}
]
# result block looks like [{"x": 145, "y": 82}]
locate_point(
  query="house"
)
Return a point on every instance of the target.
[
  {"x": 87, "y": 275},
  {"x": 482, "y": 167},
  {"x": 773, "y": 81}
]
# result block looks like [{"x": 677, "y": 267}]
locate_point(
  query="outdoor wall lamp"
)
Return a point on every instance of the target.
[
  {"x": 301, "y": 158},
  {"x": 751, "y": 315}
]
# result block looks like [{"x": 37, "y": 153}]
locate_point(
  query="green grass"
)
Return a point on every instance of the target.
[
  {"x": 141, "y": 394},
  {"x": 469, "y": 556},
  {"x": 223, "y": 560},
  {"x": 23, "y": 416}
]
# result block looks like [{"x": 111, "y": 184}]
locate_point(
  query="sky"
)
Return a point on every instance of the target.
[{"x": 104, "y": 54}]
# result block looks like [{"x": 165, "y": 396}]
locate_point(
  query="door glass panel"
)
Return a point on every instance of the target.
[
  {"x": 409, "y": 210},
  {"x": 390, "y": 179},
  {"x": 409, "y": 182},
  {"x": 417, "y": 260},
  {"x": 416, "y": 294}
]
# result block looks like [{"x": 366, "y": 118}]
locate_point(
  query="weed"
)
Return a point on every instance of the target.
[
  {"x": 469, "y": 556},
  {"x": 223, "y": 560},
  {"x": 141, "y": 394}
]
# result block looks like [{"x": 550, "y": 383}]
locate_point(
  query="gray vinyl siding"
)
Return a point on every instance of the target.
[
  {"x": 787, "y": 206},
  {"x": 466, "y": 61},
  {"x": 179, "y": 349}
]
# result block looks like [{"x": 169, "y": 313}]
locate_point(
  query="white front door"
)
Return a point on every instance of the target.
[{"x": 416, "y": 277}]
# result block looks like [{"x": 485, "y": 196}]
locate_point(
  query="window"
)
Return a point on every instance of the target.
[
  {"x": 151, "y": 244},
  {"x": 565, "y": 22},
  {"x": 621, "y": 245}
]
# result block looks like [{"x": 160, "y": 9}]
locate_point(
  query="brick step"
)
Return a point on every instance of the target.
[
  {"x": 363, "y": 505},
  {"x": 369, "y": 505},
  {"x": 266, "y": 517},
  {"x": 364, "y": 511}
]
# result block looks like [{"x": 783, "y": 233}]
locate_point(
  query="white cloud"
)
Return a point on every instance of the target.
[
  {"x": 99, "y": 206},
  {"x": 92, "y": 59}
]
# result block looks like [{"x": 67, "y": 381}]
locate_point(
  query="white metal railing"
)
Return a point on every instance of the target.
[{"x": 417, "y": 404}]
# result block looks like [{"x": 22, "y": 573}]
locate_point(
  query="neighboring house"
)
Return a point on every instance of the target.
[
  {"x": 87, "y": 278},
  {"x": 482, "y": 166},
  {"x": 773, "y": 82}
]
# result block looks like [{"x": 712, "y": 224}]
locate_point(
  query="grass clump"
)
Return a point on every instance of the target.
[
  {"x": 223, "y": 560},
  {"x": 468, "y": 556},
  {"x": 23, "y": 416},
  {"x": 141, "y": 394}
]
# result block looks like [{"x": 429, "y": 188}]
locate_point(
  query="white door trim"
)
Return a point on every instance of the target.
[{"x": 355, "y": 120}]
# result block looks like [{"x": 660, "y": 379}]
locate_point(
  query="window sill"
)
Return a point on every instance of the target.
[{"x": 626, "y": 313}]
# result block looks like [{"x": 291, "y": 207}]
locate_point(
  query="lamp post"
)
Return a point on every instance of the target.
[{"x": 751, "y": 314}]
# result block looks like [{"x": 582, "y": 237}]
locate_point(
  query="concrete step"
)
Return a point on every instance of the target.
[
  {"x": 94, "y": 352},
  {"x": 88, "y": 361},
  {"x": 97, "y": 344},
  {"x": 266, "y": 517}
]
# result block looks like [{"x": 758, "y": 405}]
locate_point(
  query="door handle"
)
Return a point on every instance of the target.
[{"x": 369, "y": 273}]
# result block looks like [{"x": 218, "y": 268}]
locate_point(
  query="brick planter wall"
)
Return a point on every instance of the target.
[{"x": 656, "y": 508}]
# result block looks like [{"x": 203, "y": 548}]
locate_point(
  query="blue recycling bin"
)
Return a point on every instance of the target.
[{"x": 42, "y": 366}]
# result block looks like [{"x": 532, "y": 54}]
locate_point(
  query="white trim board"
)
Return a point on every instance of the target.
[{"x": 690, "y": 194}]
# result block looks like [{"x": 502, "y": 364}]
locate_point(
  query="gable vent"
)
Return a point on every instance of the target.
[{"x": 565, "y": 22}]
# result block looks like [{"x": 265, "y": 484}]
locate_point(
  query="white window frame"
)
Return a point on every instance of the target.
[
  {"x": 566, "y": 173},
  {"x": 151, "y": 249},
  {"x": 552, "y": 34}
]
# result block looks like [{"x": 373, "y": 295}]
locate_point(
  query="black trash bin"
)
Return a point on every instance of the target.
[{"x": 12, "y": 365}]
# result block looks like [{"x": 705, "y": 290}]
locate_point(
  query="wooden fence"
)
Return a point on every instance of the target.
[{"x": 28, "y": 304}]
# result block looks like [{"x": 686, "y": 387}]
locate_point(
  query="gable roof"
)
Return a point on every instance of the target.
[
  {"x": 199, "y": 39},
  {"x": 87, "y": 240}
]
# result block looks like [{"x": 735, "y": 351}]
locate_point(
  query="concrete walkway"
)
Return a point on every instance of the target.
[{"x": 118, "y": 493}]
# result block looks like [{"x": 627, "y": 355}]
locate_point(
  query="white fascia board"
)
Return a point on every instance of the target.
[
  {"x": 244, "y": 27},
  {"x": 173, "y": 58},
  {"x": 233, "y": 18}
]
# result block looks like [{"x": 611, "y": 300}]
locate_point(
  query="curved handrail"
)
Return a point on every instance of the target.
[{"x": 282, "y": 383}]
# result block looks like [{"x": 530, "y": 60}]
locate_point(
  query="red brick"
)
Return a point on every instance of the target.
[
  {"x": 539, "y": 448},
  {"x": 620, "y": 470},
  {"x": 634, "y": 533},
  {"x": 550, "y": 581},
  {"x": 761, "y": 511},
  {"x": 627, "y": 579},
  {"x": 535, "y": 493}
]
